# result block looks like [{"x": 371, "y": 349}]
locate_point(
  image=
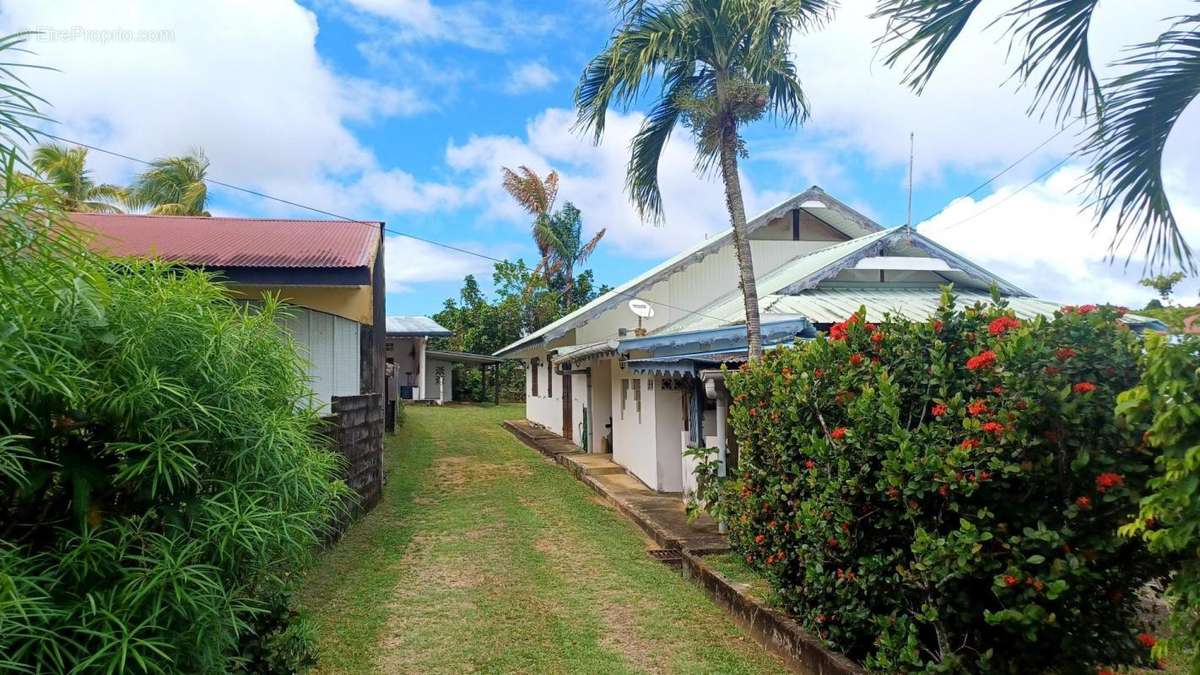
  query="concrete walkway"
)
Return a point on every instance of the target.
[{"x": 660, "y": 514}]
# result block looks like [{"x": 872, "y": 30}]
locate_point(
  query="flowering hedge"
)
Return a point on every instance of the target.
[{"x": 944, "y": 496}]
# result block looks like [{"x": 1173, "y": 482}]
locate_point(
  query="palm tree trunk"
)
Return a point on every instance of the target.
[
  {"x": 741, "y": 238},
  {"x": 567, "y": 295}
]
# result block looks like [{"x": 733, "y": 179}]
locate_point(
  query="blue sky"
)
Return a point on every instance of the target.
[{"x": 405, "y": 110}]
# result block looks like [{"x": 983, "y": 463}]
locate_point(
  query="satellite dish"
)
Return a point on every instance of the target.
[{"x": 641, "y": 308}]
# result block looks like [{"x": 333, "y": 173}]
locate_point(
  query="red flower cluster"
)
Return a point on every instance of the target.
[
  {"x": 1084, "y": 387},
  {"x": 760, "y": 538},
  {"x": 1064, "y": 353},
  {"x": 1147, "y": 640},
  {"x": 937, "y": 326},
  {"x": 1108, "y": 480},
  {"x": 1002, "y": 324},
  {"x": 993, "y": 427},
  {"x": 1010, "y": 580},
  {"x": 809, "y": 464},
  {"x": 939, "y": 410},
  {"x": 838, "y": 432},
  {"x": 970, "y": 443},
  {"x": 981, "y": 360},
  {"x": 856, "y": 359},
  {"x": 977, "y": 407},
  {"x": 877, "y": 337},
  {"x": 840, "y": 331},
  {"x": 1084, "y": 502}
]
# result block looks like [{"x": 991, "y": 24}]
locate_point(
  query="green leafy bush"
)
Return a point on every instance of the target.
[
  {"x": 1168, "y": 400},
  {"x": 944, "y": 496},
  {"x": 160, "y": 478}
]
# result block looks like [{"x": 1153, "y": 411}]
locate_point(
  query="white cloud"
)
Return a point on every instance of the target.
[
  {"x": 593, "y": 177},
  {"x": 476, "y": 24},
  {"x": 241, "y": 80},
  {"x": 529, "y": 76},
  {"x": 971, "y": 117},
  {"x": 410, "y": 261},
  {"x": 1039, "y": 239}
]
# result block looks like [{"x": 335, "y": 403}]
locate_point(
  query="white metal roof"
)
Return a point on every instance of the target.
[
  {"x": 835, "y": 213},
  {"x": 415, "y": 325}
]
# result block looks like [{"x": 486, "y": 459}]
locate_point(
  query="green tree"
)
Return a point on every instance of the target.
[
  {"x": 1130, "y": 116},
  {"x": 173, "y": 186},
  {"x": 536, "y": 195},
  {"x": 567, "y": 248},
  {"x": 1164, "y": 284},
  {"x": 721, "y": 64},
  {"x": 65, "y": 170}
]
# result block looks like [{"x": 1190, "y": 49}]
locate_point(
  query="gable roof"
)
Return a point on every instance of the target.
[
  {"x": 835, "y": 213},
  {"x": 414, "y": 326},
  {"x": 226, "y": 243}
]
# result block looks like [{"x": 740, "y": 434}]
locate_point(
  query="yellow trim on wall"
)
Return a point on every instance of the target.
[{"x": 348, "y": 302}]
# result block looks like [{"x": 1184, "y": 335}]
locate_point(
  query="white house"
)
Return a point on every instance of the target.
[
  {"x": 592, "y": 378},
  {"x": 426, "y": 374}
]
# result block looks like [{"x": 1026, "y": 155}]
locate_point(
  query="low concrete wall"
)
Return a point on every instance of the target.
[{"x": 775, "y": 630}]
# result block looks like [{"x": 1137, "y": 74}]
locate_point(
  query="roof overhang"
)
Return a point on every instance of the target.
[
  {"x": 462, "y": 357},
  {"x": 730, "y": 338}
]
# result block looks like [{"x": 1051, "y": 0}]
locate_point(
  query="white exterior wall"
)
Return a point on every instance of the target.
[
  {"x": 668, "y": 427},
  {"x": 579, "y": 401},
  {"x": 331, "y": 345},
  {"x": 542, "y": 409},
  {"x": 633, "y": 433},
  {"x": 602, "y": 401}
]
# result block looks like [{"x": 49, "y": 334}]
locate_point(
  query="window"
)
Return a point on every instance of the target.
[
  {"x": 549, "y": 378},
  {"x": 637, "y": 398},
  {"x": 533, "y": 376},
  {"x": 624, "y": 395}
]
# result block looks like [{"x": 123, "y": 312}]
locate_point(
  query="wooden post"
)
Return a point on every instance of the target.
[
  {"x": 482, "y": 383},
  {"x": 496, "y": 382}
]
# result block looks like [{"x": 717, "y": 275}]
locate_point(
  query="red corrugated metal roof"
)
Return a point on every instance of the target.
[{"x": 233, "y": 242}]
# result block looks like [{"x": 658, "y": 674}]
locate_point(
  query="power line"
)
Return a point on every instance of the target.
[
  {"x": 1010, "y": 195},
  {"x": 338, "y": 216},
  {"x": 1005, "y": 170}
]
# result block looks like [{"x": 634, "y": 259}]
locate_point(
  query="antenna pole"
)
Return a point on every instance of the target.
[{"x": 911, "y": 137}]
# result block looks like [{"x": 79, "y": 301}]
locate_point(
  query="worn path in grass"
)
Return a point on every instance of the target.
[{"x": 485, "y": 557}]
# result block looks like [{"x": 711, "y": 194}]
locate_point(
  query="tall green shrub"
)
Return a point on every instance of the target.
[
  {"x": 161, "y": 479},
  {"x": 944, "y": 496},
  {"x": 1168, "y": 401}
]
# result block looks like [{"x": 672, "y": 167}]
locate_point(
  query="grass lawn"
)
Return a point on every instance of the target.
[{"x": 486, "y": 557}]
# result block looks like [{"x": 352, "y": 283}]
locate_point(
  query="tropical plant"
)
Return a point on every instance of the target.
[
  {"x": 1168, "y": 401},
  {"x": 65, "y": 170},
  {"x": 944, "y": 495},
  {"x": 162, "y": 482},
  {"x": 536, "y": 195},
  {"x": 1163, "y": 284},
  {"x": 173, "y": 186},
  {"x": 1130, "y": 116},
  {"x": 567, "y": 248},
  {"x": 722, "y": 64}
]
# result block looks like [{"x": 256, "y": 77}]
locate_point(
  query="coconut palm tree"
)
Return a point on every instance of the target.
[
  {"x": 536, "y": 195},
  {"x": 719, "y": 64},
  {"x": 568, "y": 249},
  {"x": 1129, "y": 117},
  {"x": 65, "y": 171},
  {"x": 173, "y": 186}
]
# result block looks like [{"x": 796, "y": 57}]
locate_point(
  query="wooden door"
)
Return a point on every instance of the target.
[{"x": 568, "y": 423}]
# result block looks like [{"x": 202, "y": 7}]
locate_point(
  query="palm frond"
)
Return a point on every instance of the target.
[
  {"x": 641, "y": 179},
  {"x": 925, "y": 29},
  {"x": 1055, "y": 35},
  {"x": 589, "y": 248},
  {"x": 534, "y": 194},
  {"x": 1130, "y": 136}
]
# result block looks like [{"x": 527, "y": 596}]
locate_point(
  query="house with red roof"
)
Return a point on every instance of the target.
[{"x": 330, "y": 271}]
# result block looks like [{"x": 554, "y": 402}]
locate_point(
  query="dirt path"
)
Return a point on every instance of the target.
[{"x": 484, "y": 557}]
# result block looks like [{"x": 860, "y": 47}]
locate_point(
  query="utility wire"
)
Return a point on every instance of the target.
[
  {"x": 1010, "y": 195},
  {"x": 399, "y": 233},
  {"x": 1005, "y": 170}
]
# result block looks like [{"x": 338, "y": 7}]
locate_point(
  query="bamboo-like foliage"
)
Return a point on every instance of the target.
[
  {"x": 1130, "y": 117},
  {"x": 160, "y": 478}
]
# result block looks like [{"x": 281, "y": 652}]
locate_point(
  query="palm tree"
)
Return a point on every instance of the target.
[
  {"x": 173, "y": 186},
  {"x": 721, "y": 64},
  {"x": 1129, "y": 117},
  {"x": 536, "y": 195},
  {"x": 65, "y": 170},
  {"x": 567, "y": 248}
]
